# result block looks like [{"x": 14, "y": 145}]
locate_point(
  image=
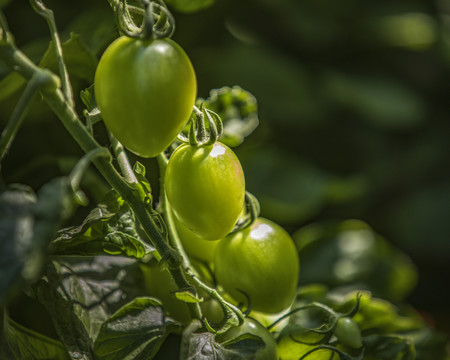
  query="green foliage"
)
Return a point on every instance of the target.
[
  {"x": 202, "y": 346},
  {"x": 351, "y": 122},
  {"x": 16, "y": 226},
  {"x": 27, "y": 344},
  {"x": 109, "y": 229},
  {"x": 388, "y": 331},
  {"x": 351, "y": 252},
  {"x": 238, "y": 111},
  {"x": 121, "y": 337}
]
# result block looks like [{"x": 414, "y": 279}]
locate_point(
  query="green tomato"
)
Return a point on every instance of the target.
[
  {"x": 295, "y": 342},
  {"x": 206, "y": 188},
  {"x": 194, "y": 245},
  {"x": 347, "y": 332},
  {"x": 159, "y": 284},
  {"x": 260, "y": 260},
  {"x": 145, "y": 90},
  {"x": 253, "y": 327}
]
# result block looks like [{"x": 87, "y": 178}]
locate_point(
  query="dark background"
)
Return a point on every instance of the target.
[{"x": 353, "y": 107}]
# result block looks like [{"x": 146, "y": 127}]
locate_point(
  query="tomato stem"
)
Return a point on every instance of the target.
[
  {"x": 54, "y": 97},
  {"x": 49, "y": 16}
]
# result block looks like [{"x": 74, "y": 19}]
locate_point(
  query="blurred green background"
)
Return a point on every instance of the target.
[{"x": 353, "y": 108}]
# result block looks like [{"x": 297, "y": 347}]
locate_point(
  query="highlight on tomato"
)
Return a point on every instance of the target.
[
  {"x": 259, "y": 262},
  {"x": 145, "y": 90}
]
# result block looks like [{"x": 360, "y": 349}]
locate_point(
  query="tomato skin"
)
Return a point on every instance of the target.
[
  {"x": 159, "y": 284},
  {"x": 145, "y": 90},
  {"x": 205, "y": 186},
  {"x": 262, "y": 261},
  {"x": 195, "y": 246},
  {"x": 348, "y": 333},
  {"x": 251, "y": 326}
]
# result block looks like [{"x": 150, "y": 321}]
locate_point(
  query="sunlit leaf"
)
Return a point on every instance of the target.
[
  {"x": 110, "y": 228},
  {"x": 202, "y": 346},
  {"x": 135, "y": 331}
]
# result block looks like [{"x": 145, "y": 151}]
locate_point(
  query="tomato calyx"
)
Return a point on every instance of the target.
[
  {"x": 157, "y": 23},
  {"x": 198, "y": 133}
]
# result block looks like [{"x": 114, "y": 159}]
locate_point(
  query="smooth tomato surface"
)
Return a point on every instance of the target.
[
  {"x": 253, "y": 327},
  {"x": 159, "y": 284},
  {"x": 206, "y": 188},
  {"x": 194, "y": 245},
  {"x": 262, "y": 261},
  {"x": 145, "y": 90},
  {"x": 348, "y": 333}
]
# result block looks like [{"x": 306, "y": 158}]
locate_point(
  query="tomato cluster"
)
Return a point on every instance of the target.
[{"x": 146, "y": 90}]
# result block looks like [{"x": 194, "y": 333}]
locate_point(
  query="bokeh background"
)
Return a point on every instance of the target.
[{"x": 353, "y": 103}]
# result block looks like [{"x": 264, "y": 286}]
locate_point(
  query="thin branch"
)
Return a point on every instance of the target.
[{"x": 49, "y": 16}]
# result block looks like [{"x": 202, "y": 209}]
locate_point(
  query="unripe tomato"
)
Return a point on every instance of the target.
[
  {"x": 195, "y": 246},
  {"x": 253, "y": 327},
  {"x": 260, "y": 260},
  {"x": 206, "y": 188},
  {"x": 160, "y": 285},
  {"x": 145, "y": 90},
  {"x": 348, "y": 333}
]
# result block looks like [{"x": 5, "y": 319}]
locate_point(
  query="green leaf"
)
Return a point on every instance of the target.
[
  {"x": 430, "y": 344},
  {"x": 27, "y": 344},
  {"x": 238, "y": 110},
  {"x": 136, "y": 331},
  {"x": 79, "y": 59},
  {"x": 68, "y": 326},
  {"x": 110, "y": 229},
  {"x": 88, "y": 98},
  {"x": 189, "y": 6},
  {"x": 187, "y": 297},
  {"x": 375, "y": 316},
  {"x": 11, "y": 84},
  {"x": 139, "y": 171},
  {"x": 202, "y": 345},
  {"x": 349, "y": 252},
  {"x": 16, "y": 229},
  {"x": 80, "y": 294},
  {"x": 55, "y": 204},
  {"x": 388, "y": 348}
]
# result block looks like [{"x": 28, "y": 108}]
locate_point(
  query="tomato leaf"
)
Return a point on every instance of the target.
[
  {"x": 238, "y": 110},
  {"x": 386, "y": 347},
  {"x": 16, "y": 229},
  {"x": 187, "y": 297},
  {"x": 27, "y": 344},
  {"x": 79, "y": 59},
  {"x": 109, "y": 229},
  {"x": 349, "y": 252},
  {"x": 80, "y": 294},
  {"x": 202, "y": 346},
  {"x": 135, "y": 331}
]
